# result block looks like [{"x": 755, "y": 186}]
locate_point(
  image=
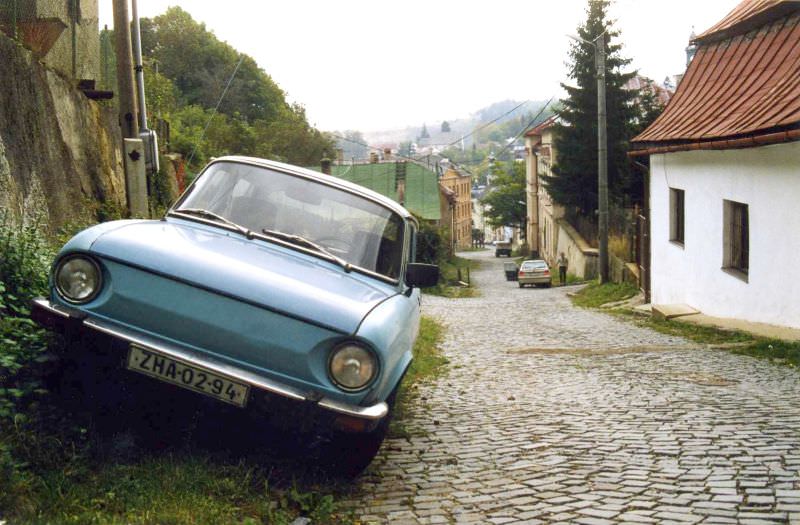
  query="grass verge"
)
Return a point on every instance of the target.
[
  {"x": 595, "y": 294},
  {"x": 449, "y": 281},
  {"x": 781, "y": 352},
  {"x": 175, "y": 489},
  {"x": 428, "y": 364},
  {"x": 777, "y": 351}
]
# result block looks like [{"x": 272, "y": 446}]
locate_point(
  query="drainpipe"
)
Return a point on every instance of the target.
[{"x": 148, "y": 136}]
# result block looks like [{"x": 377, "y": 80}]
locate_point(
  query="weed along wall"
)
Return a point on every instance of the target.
[{"x": 58, "y": 149}]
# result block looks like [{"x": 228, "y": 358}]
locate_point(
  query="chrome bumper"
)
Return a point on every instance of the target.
[{"x": 43, "y": 307}]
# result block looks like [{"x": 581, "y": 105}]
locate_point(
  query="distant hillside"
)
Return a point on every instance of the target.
[{"x": 462, "y": 127}]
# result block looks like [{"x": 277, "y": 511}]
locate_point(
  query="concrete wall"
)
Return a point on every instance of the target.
[
  {"x": 582, "y": 258},
  {"x": 86, "y": 38},
  {"x": 767, "y": 179},
  {"x": 58, "y": 150}
]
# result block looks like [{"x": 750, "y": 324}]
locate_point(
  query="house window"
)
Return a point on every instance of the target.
[
  {"x": 736, "y": 237},
  {"x": 676, "y": 215}
]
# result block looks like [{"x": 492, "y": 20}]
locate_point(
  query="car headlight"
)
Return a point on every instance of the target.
[
  {"x": 352, "y": 366},
  {"x": 78, "y": 279}
]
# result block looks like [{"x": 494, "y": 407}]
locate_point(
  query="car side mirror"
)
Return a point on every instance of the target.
[{"x": 422, "y": 275}]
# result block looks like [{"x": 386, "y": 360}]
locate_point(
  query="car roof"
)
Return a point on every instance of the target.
[
  {"x": 329, "y": 180},
  {"x": 534, "y": 261}
]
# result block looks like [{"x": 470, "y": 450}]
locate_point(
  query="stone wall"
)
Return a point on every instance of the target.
[
  {"x": 58, "y": 150},
  {"x": 582, "y": 257}
]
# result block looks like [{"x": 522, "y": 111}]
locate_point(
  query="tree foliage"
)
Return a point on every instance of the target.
[
  {"x": 253, "y": 118},
  {"x": 574, "y": 179},
  {"x": 505, "y": 204},
  {"x": 353, "y": 145}
]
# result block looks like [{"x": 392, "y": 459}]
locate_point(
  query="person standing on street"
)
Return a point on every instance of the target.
[{"x": 562, "y": 269}]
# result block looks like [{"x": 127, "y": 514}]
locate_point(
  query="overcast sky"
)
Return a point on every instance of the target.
[{"x": 375, "y": 64}]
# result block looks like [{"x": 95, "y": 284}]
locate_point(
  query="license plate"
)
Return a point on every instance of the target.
[{"x": 187, "y": 376}]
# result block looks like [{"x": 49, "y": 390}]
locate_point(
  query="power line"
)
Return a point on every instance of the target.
[
  {"x": 208, "y": 122},
  {"x": 487, "y": 124},
  {"x": 526, "y": 127},
  {"x": 418, "y": 160}
]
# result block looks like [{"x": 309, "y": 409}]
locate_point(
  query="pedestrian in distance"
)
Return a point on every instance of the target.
[{"x": 562, "y": 268}]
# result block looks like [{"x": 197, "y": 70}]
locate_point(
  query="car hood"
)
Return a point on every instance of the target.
[{"x": 254, "y": 271}]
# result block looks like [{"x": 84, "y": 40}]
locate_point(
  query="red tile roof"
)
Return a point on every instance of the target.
[
  {"x": 538, "y": 130},
  {"x": 741, "y": 86},
  {"x": 746, "y": 16}
]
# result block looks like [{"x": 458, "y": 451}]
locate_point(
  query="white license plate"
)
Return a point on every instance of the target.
[{"x": 187, "y": 376}]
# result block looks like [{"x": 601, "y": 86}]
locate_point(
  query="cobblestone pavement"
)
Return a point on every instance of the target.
[{"x": 550, "y": 413}]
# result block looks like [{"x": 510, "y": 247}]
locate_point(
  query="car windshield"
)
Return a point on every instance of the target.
[{"x": 301, "y": 212}]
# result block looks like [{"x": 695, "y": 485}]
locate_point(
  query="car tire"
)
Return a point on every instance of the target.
[{"x": 348, "y": 454}]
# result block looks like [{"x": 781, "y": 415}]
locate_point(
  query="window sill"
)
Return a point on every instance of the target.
[{"x": 735, "y": 272}]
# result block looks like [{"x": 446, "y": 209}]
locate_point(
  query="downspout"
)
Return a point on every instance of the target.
[{"x": 148, "y": 136}]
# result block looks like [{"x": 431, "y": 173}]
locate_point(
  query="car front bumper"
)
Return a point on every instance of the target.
[{"x": 74, "y": 321}]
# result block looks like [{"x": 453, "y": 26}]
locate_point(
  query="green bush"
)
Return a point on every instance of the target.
[
  {"x": 432, "y": 244},
  {"x": 24, "y": 262}
]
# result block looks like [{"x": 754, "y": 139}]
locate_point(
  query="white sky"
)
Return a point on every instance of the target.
[{"x": 376, "y": 65}]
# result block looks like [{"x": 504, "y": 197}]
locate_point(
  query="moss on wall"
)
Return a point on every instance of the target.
[{"x": 58, "y": 154}]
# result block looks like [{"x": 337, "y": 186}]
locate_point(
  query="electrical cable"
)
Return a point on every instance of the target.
[
  {"x": 526, "y": 128},
  {"x": 224, "y": 91}
]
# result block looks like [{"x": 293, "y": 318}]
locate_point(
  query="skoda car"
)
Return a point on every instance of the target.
[
  {"x": 266, "y": 287},
  {"x": 535, "y": 272}
]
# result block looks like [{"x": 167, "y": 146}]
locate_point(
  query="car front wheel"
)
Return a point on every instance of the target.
[{"x": 347, "y": 454}]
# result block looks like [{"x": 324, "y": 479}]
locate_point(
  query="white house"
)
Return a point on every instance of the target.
[{"x": 724, "y": 182}]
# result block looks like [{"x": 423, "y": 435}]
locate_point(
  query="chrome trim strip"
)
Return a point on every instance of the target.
[
  {"x": 373, "y": 412},
  {"x": 377, "y": 411},
  {"x": 52, "y": 308}
]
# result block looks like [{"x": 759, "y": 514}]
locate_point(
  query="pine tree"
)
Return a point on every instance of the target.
[{"x": 574, "y": 179}]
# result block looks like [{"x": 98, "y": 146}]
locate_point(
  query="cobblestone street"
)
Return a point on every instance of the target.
[{"x": 550, "y": 413}]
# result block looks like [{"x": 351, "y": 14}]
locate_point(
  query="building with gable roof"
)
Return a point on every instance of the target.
[{"x": 724, "y": 176}]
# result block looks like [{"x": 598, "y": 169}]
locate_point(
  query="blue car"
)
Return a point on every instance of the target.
[{"x": 266, "y": 287}]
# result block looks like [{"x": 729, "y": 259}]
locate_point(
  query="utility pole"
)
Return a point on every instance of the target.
[
  {"x": 133, "y": 154},
  {"x": 602, "y": 157},
  {"x": 125, "y": 90},
  {"x": 599, "y": 44}
]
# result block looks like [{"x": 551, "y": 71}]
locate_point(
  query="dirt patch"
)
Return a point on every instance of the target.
[
  {"x": 704, "y": 379},
  {"x": 607, "y": 351}
]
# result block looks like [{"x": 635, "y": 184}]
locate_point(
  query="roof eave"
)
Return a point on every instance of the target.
[
  {"x": 767, "y": 16},
  {"x": 750, "y": 141}
]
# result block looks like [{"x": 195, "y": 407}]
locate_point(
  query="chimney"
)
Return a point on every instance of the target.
[{"x": 325, "y": 165}]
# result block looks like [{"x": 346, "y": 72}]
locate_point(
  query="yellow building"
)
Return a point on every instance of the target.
[
  {"x": 460, "y": 213},
  {"x": 543, "y": 214}
]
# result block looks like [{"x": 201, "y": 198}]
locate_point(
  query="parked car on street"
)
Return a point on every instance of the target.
[
  {"x": 502, "y": 248},
  {"x": 535, "y": 272},
  {"x": 266, "y": 287}
]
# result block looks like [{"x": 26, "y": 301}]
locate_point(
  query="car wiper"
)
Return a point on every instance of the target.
[
  {"x": 200, "y": 212},
  {"x": 302, "y": 241}
]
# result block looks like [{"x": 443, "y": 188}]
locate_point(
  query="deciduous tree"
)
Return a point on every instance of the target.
[{"x": 505, "y": 203}]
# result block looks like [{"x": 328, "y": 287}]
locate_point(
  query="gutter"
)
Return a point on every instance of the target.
[{"x": 746, "y": 142}]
